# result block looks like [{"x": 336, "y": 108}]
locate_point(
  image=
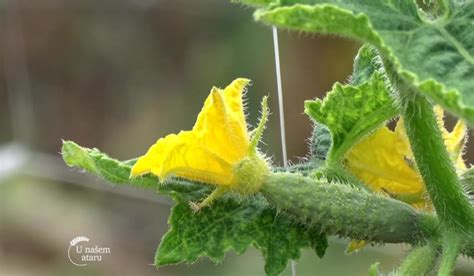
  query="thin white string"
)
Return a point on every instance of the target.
[
  {"x": 280, "y": 96},
  {"x": 281, "y": 112}
]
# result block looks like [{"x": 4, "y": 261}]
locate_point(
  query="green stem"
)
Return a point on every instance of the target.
[
  {"x": 218, "y": 192},
  {"x": 347, "y": 211},
  {"x": 432, "y": 158},
  {"x": 451, "y": 248},
  {"x": 419, "y": 261}
]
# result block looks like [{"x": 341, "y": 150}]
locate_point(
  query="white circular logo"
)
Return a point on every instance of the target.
[{"x": 80, "y": 253}]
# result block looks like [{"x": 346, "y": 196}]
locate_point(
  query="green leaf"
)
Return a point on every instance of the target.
[
  {"x": 320, "y": 143},
  {"x": 352, "y": 111},
  {"x": 318, "y": 241},
  {"x": 434, "y": 52},
  {"x": 98, "y": 163},
  {"x": 229, "y": 223},
  {"x": 117, "y": 172},
  {"x": 366, "y": 63}
]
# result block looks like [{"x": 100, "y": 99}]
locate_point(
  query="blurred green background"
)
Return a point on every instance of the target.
[{"x": 117, "y": 75}]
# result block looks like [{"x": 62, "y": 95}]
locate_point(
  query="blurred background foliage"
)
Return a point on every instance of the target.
[{"x": 117, "y": 75}]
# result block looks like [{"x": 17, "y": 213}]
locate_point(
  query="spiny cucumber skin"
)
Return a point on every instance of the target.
[{"x": 345, "y": 211}]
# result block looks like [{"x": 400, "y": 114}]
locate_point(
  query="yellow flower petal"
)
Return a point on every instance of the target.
[
  {"x": 222, "y": 123},
  {"x": 379, "y": 161},
  {"x": 455, "y": 142},
  {"x": 208, "y": 152},
  {"x": 384, "y": 161}
]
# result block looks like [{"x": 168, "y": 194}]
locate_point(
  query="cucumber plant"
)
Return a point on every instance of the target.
[{"x": 362, "y": 181}]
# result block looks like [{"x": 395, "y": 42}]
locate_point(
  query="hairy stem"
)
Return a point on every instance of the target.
[
  {"x": 419, "y": 261},
  {"x": 439, "y": 175},
  {"x": 451, "y": 248}
]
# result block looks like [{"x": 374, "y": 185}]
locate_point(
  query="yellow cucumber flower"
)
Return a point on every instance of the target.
[
  {"x": 218, "y": 150},
  {"x": 384, "y": 161}
]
